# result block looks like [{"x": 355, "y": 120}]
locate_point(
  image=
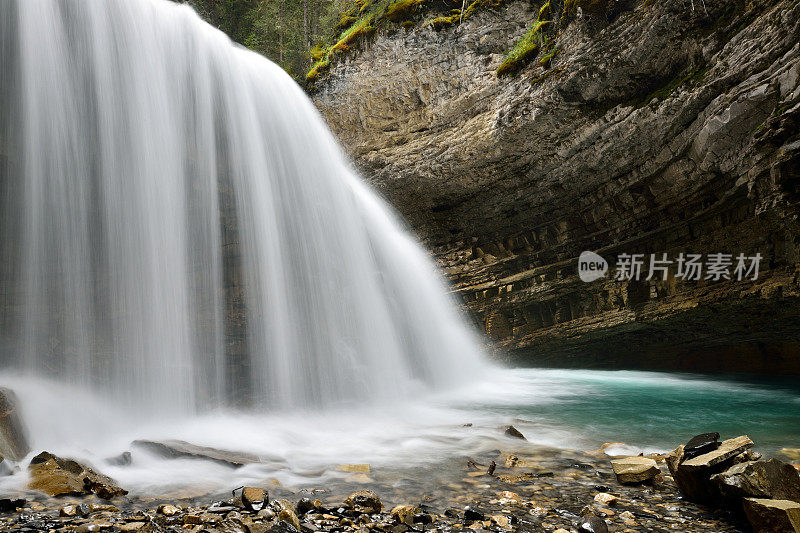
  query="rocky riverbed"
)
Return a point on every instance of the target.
[{"x": 540, "y": 489}]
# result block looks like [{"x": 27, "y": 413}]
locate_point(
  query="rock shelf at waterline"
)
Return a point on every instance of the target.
[{"x": 549, "y": 490}]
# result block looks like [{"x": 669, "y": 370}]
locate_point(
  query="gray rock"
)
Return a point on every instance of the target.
[
  {"x": 182, "y": 449},
  {"x": 514, "y": 433},
  {"x": 13, "y": 438},
  {"x": 591, "y": 524}
]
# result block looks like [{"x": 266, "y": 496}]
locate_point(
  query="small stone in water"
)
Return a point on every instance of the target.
[
  {"x": 364, "y": 501},
  {"x": 266, "y": 514},
  {"x": 8, "y": 505},
  {"x": 513, "y": 432},
  {"x": 357, "y": 468},
  {"x": 471, "y": 514},
  {"x": 605, "y": 498},
  {"x": 405, "y": 513},
  {"x": 423, "y": 518},
  {"x": 168, "y": 510},
  {"x": 254, "y": 499},
  {"x": 492, "y": 466},
  {"x": 304, "y": 505},
  {"x": 123, "y": 459},
  {"x": 288, "y": 516},
  {"x": 502, "y": 521},
  {"x": 68, "y": 510},
  {"x": 592, "y": 524}
]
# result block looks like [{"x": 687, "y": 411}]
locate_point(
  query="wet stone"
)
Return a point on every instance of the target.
[
  {"x": 700, "y": 444},
  {"x": 635, "y": 469},
  {"x": 514, "y": 433},
  {"x": 364, "y": 501},
  {"x": 254, "y": 499}
]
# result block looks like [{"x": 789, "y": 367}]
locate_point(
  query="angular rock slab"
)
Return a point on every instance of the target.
[
  {"x": 727, "y": 449},
  {"x": 772, "y": 516},
  {"x": 634, "y": 469},
  {"x": 181, "y": 449},
  {"x": 13, "y": 440},
  {"x": 771, "y": 479}
]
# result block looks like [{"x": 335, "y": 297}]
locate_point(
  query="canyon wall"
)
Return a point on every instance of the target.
[{"x": 657, "y": 127}]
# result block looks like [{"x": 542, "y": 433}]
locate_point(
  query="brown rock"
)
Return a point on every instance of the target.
[
  {"x": 634, "y": 469},
  {"x": 287, "y": 515},
  {"x": 771, "y": 479},
  {"x": 605, "y": 498},
  {"x": 772, "y": 516},
  {"x": 13, "y": 440},
  {"x": 168, "y": 510},
  {"x": 355, "y": 468},
  {"x": 254, "y": 499},
  {"x": 404, "y": 514},
  {"x": 58, "y": 477},
  {"x": 693, "y": 476},
  {"x": 364, "y": 501}
]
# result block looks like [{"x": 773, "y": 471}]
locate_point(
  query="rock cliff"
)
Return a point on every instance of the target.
[{"x": 649, "y": 127}]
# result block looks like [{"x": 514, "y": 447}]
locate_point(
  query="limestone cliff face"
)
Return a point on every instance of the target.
[{"x": 657, "y": 128}]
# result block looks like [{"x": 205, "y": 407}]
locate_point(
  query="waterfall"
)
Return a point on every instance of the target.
[{"x": 180, "y": 231}]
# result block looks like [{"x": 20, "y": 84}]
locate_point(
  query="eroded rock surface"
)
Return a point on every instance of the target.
[
  {"x": 13, "y": 439},
  {"x": 658, "y": 129}
]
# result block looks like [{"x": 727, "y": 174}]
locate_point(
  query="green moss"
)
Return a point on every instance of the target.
[
  {"x": 524, "y": 49},
  {"x": 322, "y": 56},
  {"x": 319, "y": 68},
  {"x": 544, "y": 12},
  {"x": 548, "y": 56},
  {"x": 402, "y": 9},
  {"x": 445, "y": 22}
]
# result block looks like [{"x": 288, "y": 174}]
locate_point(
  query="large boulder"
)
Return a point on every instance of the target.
[
  {"x": 56, "y": 476},
  {"x": 772, "y": 516},
  {"x": 13, "y": 440},
  {"x": 693, "y": 475},
  {"x": 771, "y": 479}
]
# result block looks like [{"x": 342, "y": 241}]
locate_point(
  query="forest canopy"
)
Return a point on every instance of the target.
[{"x": 283, "y": 30}]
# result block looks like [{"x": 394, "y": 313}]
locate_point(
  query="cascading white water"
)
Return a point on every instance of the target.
[{"x": 170, "y": 198}]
